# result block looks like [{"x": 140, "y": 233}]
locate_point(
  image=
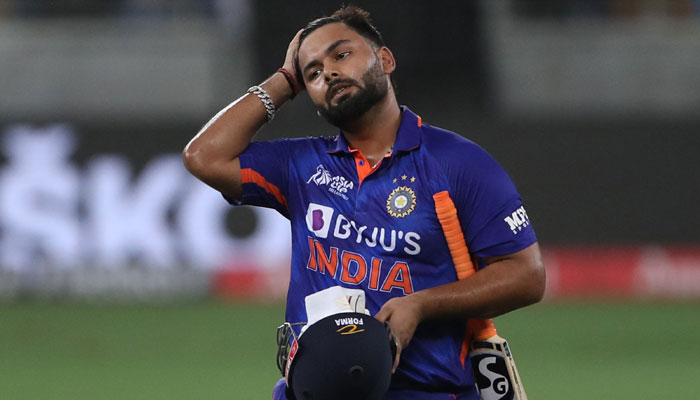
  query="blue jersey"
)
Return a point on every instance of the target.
[{"x": 376, "y": 228}]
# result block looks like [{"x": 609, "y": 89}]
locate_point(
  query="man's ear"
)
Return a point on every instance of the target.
[{"x": 387, "y": 58}]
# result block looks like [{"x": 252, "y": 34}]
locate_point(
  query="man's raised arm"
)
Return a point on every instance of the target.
[{"x": 212, "y": 155}]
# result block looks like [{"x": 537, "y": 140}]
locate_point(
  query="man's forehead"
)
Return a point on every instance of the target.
[{"x": 319, "y": 40}]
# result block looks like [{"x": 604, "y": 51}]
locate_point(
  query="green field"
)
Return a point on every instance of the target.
[{"x": 218, "y": 350}]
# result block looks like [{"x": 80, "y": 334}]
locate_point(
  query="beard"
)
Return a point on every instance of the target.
[{"x": 352, "y": 107}]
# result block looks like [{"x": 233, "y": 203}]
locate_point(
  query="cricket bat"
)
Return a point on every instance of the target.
[{"x": 489, "y": 354}]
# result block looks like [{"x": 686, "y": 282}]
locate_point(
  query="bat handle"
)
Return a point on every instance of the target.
[
  {"x": 477, "y": 329},
  {"x": 481, "y": 329}
]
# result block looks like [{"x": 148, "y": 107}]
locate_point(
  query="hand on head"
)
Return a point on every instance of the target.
[{"x": 289, "y": 67}]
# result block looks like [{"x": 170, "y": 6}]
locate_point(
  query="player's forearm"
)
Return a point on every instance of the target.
[
  {"x": 503, "y": 286},
  {"x": 231, "y": 130}
]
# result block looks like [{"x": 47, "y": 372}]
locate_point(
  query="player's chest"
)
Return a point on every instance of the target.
[{"x": 391, "y": 209}]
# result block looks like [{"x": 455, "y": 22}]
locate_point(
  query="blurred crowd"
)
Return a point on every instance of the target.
[
  {"x": 170, "y": 8},
  {"x": 606, "y": 8},
  {"x": 120, "y": 8}
]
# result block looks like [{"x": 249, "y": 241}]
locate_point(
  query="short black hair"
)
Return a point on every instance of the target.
[{"x": 356, "y": 19}]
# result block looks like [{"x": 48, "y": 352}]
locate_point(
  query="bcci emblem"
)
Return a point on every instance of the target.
[{"x": 401, "y": 202}]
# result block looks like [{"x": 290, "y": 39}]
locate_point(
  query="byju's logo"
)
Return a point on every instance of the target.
[
  {"x": 318, "y": 219},
  {"x": 337, "y": 185}
]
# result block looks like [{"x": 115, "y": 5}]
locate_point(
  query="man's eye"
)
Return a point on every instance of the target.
[
  {"x": 343, "y": 55},
  {"x": 314, "y": 74}
]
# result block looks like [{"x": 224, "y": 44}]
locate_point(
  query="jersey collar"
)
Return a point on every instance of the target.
[{"x": 408, "y": 137}]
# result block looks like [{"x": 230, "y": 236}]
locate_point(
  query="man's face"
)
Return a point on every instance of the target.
[{"x": 342, "y": 73}]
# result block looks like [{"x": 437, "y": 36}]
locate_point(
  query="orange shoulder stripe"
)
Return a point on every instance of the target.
[{"x": 249, "y": 175}]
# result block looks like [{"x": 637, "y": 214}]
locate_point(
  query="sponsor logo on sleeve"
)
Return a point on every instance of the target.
[{"x": 518, "y": 220}]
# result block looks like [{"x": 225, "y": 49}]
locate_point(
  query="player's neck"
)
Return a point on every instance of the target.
[{"x": 374, "y": 134}]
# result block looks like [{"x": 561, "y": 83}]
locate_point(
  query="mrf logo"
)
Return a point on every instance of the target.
[
  {"x": 518, "y": 220},
  {"x": 349, "y": 326}
]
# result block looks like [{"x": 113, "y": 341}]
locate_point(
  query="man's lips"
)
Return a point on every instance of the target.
[{"x": 337, "y": 90}]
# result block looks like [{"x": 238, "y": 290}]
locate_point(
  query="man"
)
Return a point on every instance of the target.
[{"x": 361, "y": 205}]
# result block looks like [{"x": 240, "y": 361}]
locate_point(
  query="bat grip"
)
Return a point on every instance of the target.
[
  {"x": 477, "y": 329},
  {"x": 481, "y": 329}
]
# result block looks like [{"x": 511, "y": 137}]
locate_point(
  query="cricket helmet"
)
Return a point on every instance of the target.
[{"x": 342, "y": 356}]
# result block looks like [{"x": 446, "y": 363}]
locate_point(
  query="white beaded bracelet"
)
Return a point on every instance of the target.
[{"x": 266, "y": 100}]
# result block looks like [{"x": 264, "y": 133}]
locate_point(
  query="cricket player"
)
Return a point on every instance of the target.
[{"x": 362, "y": 208}]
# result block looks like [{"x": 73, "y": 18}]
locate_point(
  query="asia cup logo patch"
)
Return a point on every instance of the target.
[{"x": 402, "y": 200}]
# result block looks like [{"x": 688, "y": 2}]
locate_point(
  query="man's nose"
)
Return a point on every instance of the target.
[{"x": 331, "y": 74}]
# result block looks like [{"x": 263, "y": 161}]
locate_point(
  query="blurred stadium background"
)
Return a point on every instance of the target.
[{"x": 121, "y": 277}]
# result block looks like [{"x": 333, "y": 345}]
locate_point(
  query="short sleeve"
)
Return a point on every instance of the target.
[
  {"x": 265, "y": 175},
  {"x": 490, "y": 209}
]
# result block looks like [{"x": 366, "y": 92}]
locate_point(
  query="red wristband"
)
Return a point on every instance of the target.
[{"x": 290, "y": 79}]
